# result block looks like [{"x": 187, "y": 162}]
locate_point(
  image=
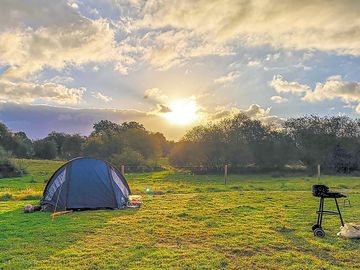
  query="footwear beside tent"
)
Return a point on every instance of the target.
[{"x": 85, "y": 183}]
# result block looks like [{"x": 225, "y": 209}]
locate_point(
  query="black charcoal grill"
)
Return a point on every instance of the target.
[{"x": 323, "y": 193}]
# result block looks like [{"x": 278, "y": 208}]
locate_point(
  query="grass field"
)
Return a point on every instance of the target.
[{"x": 187, "y": 222}]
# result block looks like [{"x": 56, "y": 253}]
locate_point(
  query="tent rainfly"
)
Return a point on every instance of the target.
[{"x": 85, "y": 183}]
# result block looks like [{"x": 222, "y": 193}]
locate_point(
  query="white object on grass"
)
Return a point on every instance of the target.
[{"x": 350, "y": 231}]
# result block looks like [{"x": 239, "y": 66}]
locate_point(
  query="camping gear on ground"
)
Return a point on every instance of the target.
[
  {"x": 350, "y": 231},
  {"x": 135, "y": 201},
  {"x": 323, "y": 192},
  {"x": 85, "y": 183},
  {"x": 29, "y": 208}
]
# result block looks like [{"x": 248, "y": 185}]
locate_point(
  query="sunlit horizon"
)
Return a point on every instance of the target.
[{"x": 183, "y": 112}]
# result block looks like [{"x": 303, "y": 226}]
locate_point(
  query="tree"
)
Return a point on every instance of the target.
[
  {"x": 23, "y": 146},
  {"x": 72, "y": 146},
  {"x": 59, "y": 138},
  {"x": 105, "y": 127},
  {"x": 131, "y": 125},
  {"x": 314, "y": 137},
  {"x": 18, "y": 144},
  {"x": 238, "y": 141},
  {"x": 45, "y": 149},
  {"x": 128, "y": 157},
  {"x": 339, "y": 160}
]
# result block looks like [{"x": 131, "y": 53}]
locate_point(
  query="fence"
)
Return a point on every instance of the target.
[
  {"x": 219, "y": 170},
  {"x": 193, "y": 169}
]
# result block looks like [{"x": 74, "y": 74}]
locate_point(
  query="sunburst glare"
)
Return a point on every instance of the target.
[{"x": 183, "y": 111}]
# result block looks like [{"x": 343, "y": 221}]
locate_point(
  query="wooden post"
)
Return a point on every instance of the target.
[
  {"x": 318, "y": 172},
  {"x": 225, "y": 174},
  {"x": 122, "y": 169}
]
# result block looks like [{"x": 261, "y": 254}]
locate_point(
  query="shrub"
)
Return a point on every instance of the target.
[
  {"x": 7, "y": 167},
  {"x": 133, "y": 161}
]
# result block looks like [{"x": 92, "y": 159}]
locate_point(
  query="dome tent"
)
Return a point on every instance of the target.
[{"x": 85, "y": 183}]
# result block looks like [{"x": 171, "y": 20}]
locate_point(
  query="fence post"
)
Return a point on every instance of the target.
[
  {"x": 225, "y": 174},
  {"x": 318, "y": 172},
  {"x": 122, "y": 169}
]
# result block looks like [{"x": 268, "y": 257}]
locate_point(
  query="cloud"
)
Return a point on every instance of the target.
[
  {"x": 322, "y": 25},
  {"x": 74, "y": 5},
  {"x": 283, "y": 86},
  {"x": 161, "y": 108},
  {"x": 228, "y": 78},
  {"x": 61, "y": 79},
  {"x": 278, "y": 99},
  {"x": 102, "y": 97},
  {"x": 39, "y": 120},
  {"x": 28, "y": 51},
  {"x": 165, "y": 49},
  {"x": 333, "y": 88},
  {"x": 254, "y": 112},
  {"x": 27, "y": 92},
  {"x": 254, "y": 63},
  {"x": 39, "y": 34},
  {"x": 154, "y": 94}
]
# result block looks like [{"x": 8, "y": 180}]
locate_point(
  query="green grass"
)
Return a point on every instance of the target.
[{"x": 186, "y": 222}]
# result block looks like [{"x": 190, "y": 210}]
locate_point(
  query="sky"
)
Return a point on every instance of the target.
[{"x": 172, "y": 65}]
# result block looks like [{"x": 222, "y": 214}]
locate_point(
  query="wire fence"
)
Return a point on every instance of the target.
[
  {"x": 155, "y": 168},
  {"x": 216, "y": 169}
]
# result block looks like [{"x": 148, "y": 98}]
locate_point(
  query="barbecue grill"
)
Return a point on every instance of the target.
[{"x": 323, "y": 193}]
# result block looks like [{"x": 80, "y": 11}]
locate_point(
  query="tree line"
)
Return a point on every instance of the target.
[
  {"x": 127, "y": 143},
  {"x": 247, "y": 145}
]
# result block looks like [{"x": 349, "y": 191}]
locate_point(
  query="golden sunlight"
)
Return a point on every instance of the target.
[{"x": 183, "y": 112}]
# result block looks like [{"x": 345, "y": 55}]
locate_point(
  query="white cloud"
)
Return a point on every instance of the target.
[
  {"x": 38, "y": 35},
  {"x": 154, "y": 94},
  {"x": 283, "y": 86},
  {"x": 230, "y": 77},
  {"x": 61, "y": 79},
  {"x": 53, "y": 36},
  {"x": 357, "y": 109},
  {"x": 323, "y": 25},
  {"x": 27, "y": 92},
  {"x": 74, "y": 5},
  {"x": 167, "y": 33},
  {"x": 122, "y": 69},
  {"x": 28, "y": 51},
  {"x": 101, "y": 96},
  {"x": 254, "y": 63},
  {"x": 333, "y": 88},
  {"x": 278, "y": 99},
  {"x": 254, "y": 111},
  {"x": 165, "y": 49}
]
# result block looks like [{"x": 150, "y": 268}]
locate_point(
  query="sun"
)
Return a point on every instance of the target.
[{"x": 183, "y": 112}]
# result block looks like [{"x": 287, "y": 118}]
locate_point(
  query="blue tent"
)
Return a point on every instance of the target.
[{"x": 85, "y": 183}]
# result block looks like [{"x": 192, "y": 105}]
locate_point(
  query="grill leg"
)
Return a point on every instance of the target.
[
  {"x": 320, "y": 214},
  {"x": 338, "y": 209}
]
